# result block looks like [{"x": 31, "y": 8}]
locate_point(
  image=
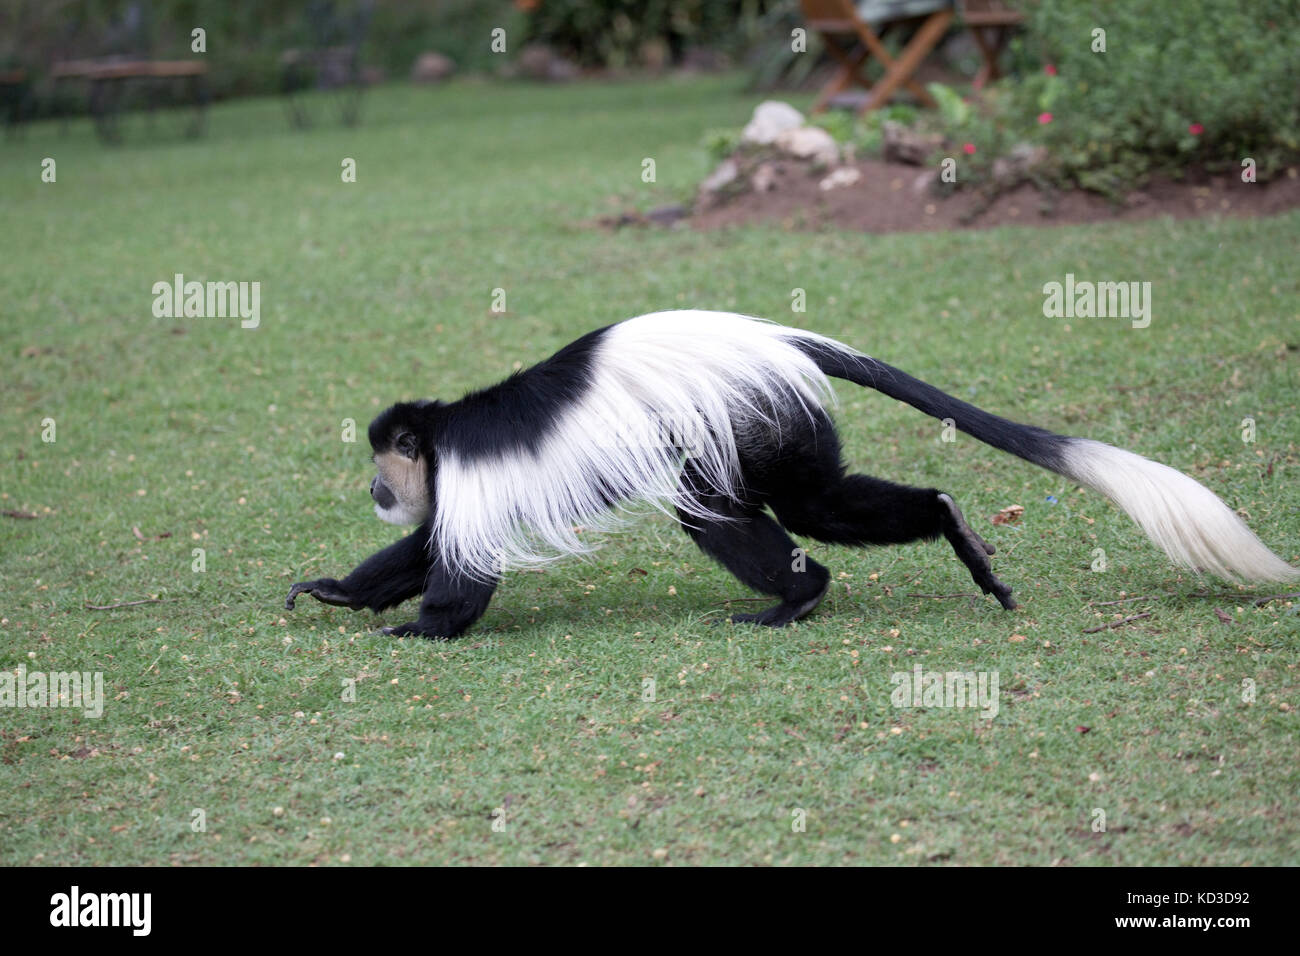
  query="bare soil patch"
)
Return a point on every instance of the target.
[{"x": 893, "y": 197}]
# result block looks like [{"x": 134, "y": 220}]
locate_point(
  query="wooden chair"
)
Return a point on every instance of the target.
[
  {"x": 834, "y": 19},
  {"x": 995, "y": 17}
]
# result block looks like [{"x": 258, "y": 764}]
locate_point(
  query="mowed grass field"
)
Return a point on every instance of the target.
[{"x": 229, "y": 734}]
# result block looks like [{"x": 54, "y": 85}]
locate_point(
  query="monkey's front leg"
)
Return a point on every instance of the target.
[
  {"x": 384, "y": 579},
  {"x": 451, "y": 603}
]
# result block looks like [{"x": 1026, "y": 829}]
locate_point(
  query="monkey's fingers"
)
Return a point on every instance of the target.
[
  {"x": 325, "y": 590},
  {"x": 294, "y": 592}
]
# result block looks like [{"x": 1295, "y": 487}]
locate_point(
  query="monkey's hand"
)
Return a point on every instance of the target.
[{"x": 325, "y": 590}]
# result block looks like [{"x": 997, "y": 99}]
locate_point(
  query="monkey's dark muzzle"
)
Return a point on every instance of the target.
[{"x": 382, "y": 494}]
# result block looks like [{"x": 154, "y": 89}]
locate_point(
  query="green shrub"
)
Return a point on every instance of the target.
[
  {"x": 616, "y": 32},
  {"x": 1182, "y": 84}
]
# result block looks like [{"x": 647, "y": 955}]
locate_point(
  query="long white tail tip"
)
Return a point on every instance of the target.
[{"x": 1179, "y": 514}]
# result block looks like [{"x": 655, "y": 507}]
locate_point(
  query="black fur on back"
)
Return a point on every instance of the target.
[{"x": 518, "y": 413}]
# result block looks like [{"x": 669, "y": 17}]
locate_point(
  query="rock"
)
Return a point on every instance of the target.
[
  {"x": 925, "y": 181},
  {"x": 623, "y": 219},
  {"x": 844, "y": 176},
  {"x": 764, "y": 178},
  {"x": 770, "y": 119},
  {"x": 432, "y": 67},
  {"x": 1016, "y": 164},
  {"x": 809, "y": 142},
  {"x": 537, "y": 61},
  {"x": 721, "y": 177},
  {"x": 910, "y": 146},
  {"x": 667, "y": 215}
]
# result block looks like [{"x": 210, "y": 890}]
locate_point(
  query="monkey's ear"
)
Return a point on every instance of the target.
[{"x": 408, "y": 445}]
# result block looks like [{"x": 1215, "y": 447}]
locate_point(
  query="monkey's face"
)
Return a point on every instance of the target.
[{"x": 401, "y": 487}]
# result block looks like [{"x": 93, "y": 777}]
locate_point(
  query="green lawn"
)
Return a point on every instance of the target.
[{"x": 201, "y": 434}]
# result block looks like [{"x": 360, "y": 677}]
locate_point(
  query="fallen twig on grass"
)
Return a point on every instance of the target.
[
  {"x": 1140, "y": 597},
  {"x": 1127, "y": 620},
  {"x": 109, "y": 607},
  {"x": 962, "y": 594},
  {"x": 1275, "y": 597}
]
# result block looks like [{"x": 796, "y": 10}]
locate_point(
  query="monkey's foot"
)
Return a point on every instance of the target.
[
  {"x": 415, "y": 629},
  {"x": 974, "y": 552},
  {"x": 784, "y": 613}
]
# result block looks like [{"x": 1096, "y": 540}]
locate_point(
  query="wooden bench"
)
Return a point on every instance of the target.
[{"x": 108, "y": 77}]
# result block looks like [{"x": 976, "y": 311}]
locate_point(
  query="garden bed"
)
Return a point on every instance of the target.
[{"x": 896, "y": 197}]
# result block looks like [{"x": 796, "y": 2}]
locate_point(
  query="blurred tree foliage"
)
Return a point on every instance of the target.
[
  {"x": 245, "y": 38},
  {"x": 619, "y": 33}
]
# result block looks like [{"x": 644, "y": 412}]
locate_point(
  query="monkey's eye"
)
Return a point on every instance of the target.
[{"x": 407, "y": 445}]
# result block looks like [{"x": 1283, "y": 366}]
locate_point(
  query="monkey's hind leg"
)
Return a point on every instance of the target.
[
  {"x": 756, "y": 550},
  {"x": 861, "y": 510}
]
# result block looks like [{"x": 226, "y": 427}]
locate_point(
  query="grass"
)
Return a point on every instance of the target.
[{"x": 203, "y": 435}]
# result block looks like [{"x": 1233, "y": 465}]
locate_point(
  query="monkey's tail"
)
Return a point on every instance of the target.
[{"x": 1181, "y": 516}]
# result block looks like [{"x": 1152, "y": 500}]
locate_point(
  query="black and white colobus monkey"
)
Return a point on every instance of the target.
[{"x": 716, "y": 416}]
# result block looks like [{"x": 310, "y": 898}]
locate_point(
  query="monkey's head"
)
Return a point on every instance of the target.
[{"x": 402, "y": 440}]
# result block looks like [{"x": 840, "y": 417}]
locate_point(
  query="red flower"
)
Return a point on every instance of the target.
[
  {"x": 1196, "y": 129},
  {"x": 1044, "y": 118},
  {"x": 1050, "y": 70},
  {"x": 969, "y": 149}
]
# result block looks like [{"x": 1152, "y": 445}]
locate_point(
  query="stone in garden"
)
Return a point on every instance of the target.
[
  {"x": 667, "y": 215},
  {"x": 432, "y": 67},
  {"x": 809, "y": 142},
  {"x": 721, "y": 177},
  {"x": 1017, "y": 163},
  {"x": 904, "y": 145},
  {"x": 925, "y": 181},
  {"x": 770, "y": 119},
  {"x": 845, "y": 176},
  {"x": 537, "y": 61},
  {"x": 764, "y": 178}
]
